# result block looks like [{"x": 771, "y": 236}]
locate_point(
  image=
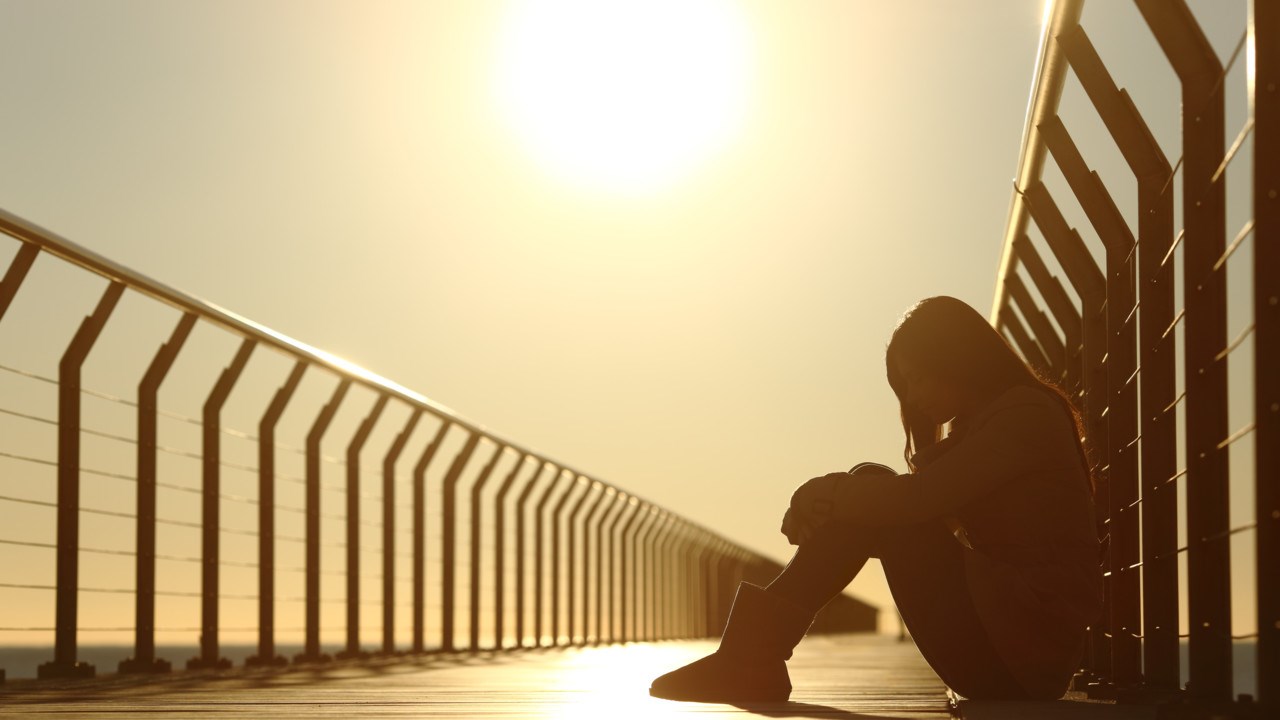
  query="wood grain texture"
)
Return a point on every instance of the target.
[{"x": 848, "y": 676}]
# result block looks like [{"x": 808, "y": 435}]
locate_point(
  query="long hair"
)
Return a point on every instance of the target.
[{"x": 950, "y": 340}]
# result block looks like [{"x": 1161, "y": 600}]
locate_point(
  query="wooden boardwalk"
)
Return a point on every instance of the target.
[
  {"x": 852, "y": 676},
  {"x": 865, "y": 677}
]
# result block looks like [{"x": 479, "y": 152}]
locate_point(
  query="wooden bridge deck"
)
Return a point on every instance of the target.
[{"x": 850, "y": 676}]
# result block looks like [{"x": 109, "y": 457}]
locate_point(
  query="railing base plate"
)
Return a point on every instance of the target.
[
  {"x": 156, "y": 666},
  {"x": 54, "y": 669},
  {"x": 309, "y": 659},
  {"x": 197, "y": 663},
  {"x": 256, "y": 661}
]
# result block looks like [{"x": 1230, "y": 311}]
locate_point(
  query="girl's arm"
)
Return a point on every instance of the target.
[{"x": 1025, "y": 435}]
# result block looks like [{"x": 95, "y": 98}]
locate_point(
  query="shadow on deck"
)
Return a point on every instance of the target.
[{"x": 842, "y": 676}]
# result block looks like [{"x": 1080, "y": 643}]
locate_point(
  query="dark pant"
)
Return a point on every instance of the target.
[{"x": 925, "y": 569}]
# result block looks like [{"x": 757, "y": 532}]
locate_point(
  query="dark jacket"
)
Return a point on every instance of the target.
[{"x": 1012, "y": 476}]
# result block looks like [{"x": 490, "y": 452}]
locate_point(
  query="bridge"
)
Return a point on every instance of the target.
[{"x": 458, "y": 572}]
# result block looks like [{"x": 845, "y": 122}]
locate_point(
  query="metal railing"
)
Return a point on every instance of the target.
[
  {"x": 592, "y": 563},
  {"x": 1157, "y": 419}
]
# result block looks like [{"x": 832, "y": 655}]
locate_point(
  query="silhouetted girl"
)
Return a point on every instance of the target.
[{"x": 988, "y": 543}]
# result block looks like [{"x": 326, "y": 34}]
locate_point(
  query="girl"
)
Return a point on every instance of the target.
[{"x": 989, "y": 543}]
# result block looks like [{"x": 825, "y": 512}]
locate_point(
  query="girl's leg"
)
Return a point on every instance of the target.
[
  {"x": 925, "y": 570},
  {"x": 924, "y": 566},
  {"x": 824, "y": 565}
]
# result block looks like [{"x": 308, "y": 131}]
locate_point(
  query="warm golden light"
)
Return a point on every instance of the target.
[{"x": 623, "y": 96}]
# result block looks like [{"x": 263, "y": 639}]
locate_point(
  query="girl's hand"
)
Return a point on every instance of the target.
[{"x": 811, "y": 506}]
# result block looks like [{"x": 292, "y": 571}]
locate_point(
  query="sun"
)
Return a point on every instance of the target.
[{"x": 623, "y": 96}]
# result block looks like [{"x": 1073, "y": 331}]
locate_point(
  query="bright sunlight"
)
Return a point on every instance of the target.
[{"x": 625, "y": 96}]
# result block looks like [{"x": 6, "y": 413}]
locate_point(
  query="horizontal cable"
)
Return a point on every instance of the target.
[
  {"x": 1173, "y": 323},
  {"x": 1237, "y": 435},
  {"x": 1177, "y": 240},
  {"x": 197, "y": 491},
  {"x": 1235, "y": 243},
  {"x": 1231, "y": 151},
  {"x": 1208, "y": 539},
  {"x": 166, "y": 413},
  {"x": 25, "y": 416},
  {"x": 1181, "y": 396},
  {"x": 1217, "y": 84},
  {"x": 1244, "y": 334}
]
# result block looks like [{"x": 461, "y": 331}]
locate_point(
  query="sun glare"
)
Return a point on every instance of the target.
[{"x": 623, "y": 96}]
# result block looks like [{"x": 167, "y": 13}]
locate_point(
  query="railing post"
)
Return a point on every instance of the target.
[
  {"x": 211, "y": 501},
  {"x": 1090, "y": 285},
  {"x": 572, "y": 557},
  {"x": 352, "y": 650},
  {"x": 1062, "y": 307},
  {"x": 642, "y": 576},
  {"x": 16, "y": 273},
  {"x": 144, "y": 658},
  {"x": 1158, "y": 383},
  {"x": 656, "y": 541},
  {"x": 267, "y": 656},
  {"x": 586, "y": 563},
  {"x": 420, "y": 535},
  {"x": 1045, "y": 334},
  {"x": 667, "y": 570},
  {"x": 448, "y": 539},
  {"x": 500, "y": 550},
  {"x": 1205, "y": 373},
  {"x": 64, "y": 662},
  {"x": 523, "y": 498},
  {"x": 389, "y": 531},
  {"x": 311, "y": 650},
  {"x": 1264, "y": 46},
  {"x": 626, "y": 543},
  {"x": 600, "y": 576},
  {"x": 1122, "y": 386},
  {"x": 678, "y": 590},
  {"x": 609, "y": 525},
  {"x": 473, "y": 573},
  {"x": 1031, "y": 350},
  {"x": 538, "y": 554},
  {"x": 556, "y": 514},
  {"x": 701, "y": 563}
]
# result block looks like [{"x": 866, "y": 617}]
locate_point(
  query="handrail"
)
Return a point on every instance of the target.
[
  {"x": 659, "y": 599},
  {"x": 1161, "y": 440},
  {"x": 1046, "y": 91}
]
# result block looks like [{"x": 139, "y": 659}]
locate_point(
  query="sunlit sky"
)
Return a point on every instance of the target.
[{"x": 666, "y": 244}]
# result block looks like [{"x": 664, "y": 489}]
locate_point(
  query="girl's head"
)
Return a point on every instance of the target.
[{"x": 945, "y": 360}]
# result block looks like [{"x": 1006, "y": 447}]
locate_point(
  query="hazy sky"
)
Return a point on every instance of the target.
[{"x": 353, "y": 175}]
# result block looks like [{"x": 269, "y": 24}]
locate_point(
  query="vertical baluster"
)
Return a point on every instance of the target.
[
  {"x": 626, "y": 547},
  {"x": 499, "y": 552},
  {"x": 586, "y": 563},
  {"x": 1264, "y": 44},
  {"x": 614, "y": 495},
  {"x": 311, "y": 650},
  {"x": 474, "y": 572},
  {"x": 389, "y": 531},
  {"x": 525, "y": 494},
  {"x": 1205, "y": 289},
  {"x": 538, "y": 555},
  {"x": 144, "y": 658},
  {"x": 211, "y": 502},
  {"x": 448, "y": 507},
  {"x": 571, "y": 556},
  {"x": 16, "y": 273},
  {"x": 64, "y": 662},
  {"x": 352, "y": 649},
  {"x": 420, "y": 535},
  {"x": 267, "y": 521}
]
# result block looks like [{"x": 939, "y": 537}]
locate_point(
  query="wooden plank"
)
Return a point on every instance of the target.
[{"x": 834, "y": 676}]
